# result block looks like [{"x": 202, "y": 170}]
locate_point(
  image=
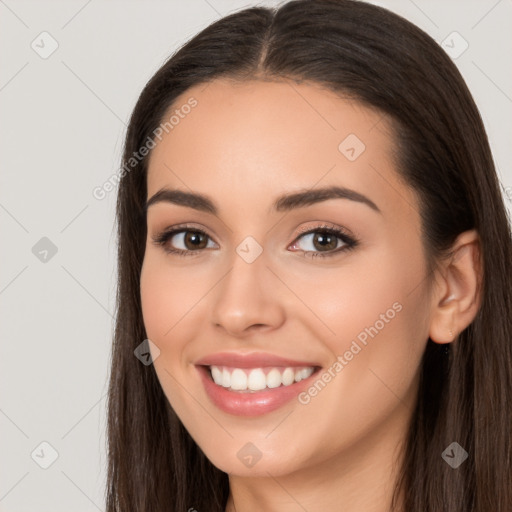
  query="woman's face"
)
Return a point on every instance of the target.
[{"x": 271, "y": 278}]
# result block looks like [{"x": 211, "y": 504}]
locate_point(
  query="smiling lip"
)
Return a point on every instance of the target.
[{"x": 251, "y": 403}]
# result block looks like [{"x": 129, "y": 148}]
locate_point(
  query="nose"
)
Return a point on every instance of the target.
[{"x": 246, "y": 301}]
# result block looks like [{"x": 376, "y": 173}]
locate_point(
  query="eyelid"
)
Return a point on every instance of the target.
[
  {"x": 324, "y": 226},
  {"x": 182, "y": 227}
]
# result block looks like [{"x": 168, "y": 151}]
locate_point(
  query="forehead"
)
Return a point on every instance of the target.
[{"x": 258, "y": 139}]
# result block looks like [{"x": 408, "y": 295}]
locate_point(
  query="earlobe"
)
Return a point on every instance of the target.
[{"x": 458, "y": 296}]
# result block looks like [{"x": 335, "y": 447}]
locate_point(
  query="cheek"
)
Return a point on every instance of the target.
[
  {"x": 173, "y": 299},
  {"x": 166, "y": 295},
  {"x": 165, "y": 300},
  {"x": 375, "y": 307},
  {"x": 162, "y": 298}
]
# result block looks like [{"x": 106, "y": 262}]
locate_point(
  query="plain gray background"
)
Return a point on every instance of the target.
[{"x": 63, "y": 122}]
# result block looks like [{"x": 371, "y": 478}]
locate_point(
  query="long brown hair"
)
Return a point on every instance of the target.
[{"x": 389, "y": 64}]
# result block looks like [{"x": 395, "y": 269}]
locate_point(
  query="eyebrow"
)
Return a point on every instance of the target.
[{"x": 283, "y": 203}]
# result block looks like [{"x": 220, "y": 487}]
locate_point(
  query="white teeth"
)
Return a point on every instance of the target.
[
  {"x": 303, "y": 374},
  {"x": 273, "y": 378},
  {"x": 238, "y": 379},
  {"x": 256, "y": 380},
  {"x": 288, "y": 376},
  {"x": 216, "y": 374},
  {"x": 226, "y": 379}
]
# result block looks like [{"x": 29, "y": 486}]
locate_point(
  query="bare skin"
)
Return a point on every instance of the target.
[{"x": 243, "y": 146}]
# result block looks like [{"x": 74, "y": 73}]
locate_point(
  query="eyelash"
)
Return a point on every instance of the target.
[{"x": 350, "y": 243}]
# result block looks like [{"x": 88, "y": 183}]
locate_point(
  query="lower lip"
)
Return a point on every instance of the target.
[{"x": 254, "y": 403}]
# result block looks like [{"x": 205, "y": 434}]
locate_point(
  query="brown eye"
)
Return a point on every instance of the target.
[
  {"x": 194, "y": 240},
  {"x": 183, "y": 241},
  {"x": 324, "y": 241}
]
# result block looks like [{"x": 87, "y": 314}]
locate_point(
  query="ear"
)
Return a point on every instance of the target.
[{"x": 457, "y": 294}]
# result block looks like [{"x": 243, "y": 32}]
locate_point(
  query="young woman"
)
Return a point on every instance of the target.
[{"x": 314, "y": 296}]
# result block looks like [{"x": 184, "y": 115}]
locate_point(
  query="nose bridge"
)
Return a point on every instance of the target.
[
  {"x": 243, "y": 282},
  {"x": 245, "y": 296}
]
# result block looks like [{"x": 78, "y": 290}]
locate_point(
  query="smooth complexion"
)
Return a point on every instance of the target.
[{"x": 243, "y": 146}]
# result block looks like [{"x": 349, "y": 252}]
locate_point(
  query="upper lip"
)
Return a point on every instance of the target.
[{"x": 252, "y": 360}]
